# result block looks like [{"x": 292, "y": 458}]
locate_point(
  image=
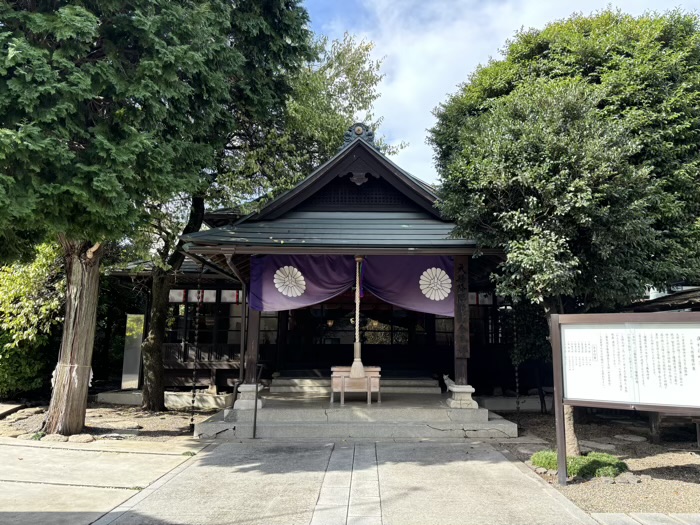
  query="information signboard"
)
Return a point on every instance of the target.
[{"x": 632, "y": 363}]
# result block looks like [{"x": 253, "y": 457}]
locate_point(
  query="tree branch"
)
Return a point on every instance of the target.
[{"x": 194, "y": 223}]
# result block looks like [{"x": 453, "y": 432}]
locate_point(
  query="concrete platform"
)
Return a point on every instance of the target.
[{"x": 309, "y": 416}]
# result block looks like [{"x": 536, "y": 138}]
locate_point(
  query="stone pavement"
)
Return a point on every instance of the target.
[
  {"x": 283, "y": 483},
  {"x": 647, "y": 519},
  {"x": 419, "y": 483},
  {"x": 73, "y": 484}
]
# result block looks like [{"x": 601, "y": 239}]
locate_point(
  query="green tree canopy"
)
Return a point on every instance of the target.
[
  {"x": 108, "y": 106},
  {"x": 275, "y": 149},
  {"x": 577, "y": 155},
  {"x": 105, "y": 104}
]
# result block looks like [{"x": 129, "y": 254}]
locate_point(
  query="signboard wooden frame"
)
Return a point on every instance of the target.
[{"x": 556, "y": 322}]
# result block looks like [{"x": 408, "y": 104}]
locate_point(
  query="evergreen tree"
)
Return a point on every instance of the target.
[
  {"x": 107, "y": 106},
  {"x": 576, "y": 154}
]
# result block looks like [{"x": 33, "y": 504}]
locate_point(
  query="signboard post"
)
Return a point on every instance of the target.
[{"x": 646, "y": 362}]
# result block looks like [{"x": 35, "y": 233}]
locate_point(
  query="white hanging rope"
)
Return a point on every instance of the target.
[
  {"x": 358, "y": 263},
  {"x": 357, "y": 370}
]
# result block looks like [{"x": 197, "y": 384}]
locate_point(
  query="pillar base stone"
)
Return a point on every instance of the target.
[
  {"x": 461, "y": 397},
  {"x": 246, "y": 397}
]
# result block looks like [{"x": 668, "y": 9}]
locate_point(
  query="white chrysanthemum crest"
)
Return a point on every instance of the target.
[
  {"x": 289, "y": 281},
  {"x": 435, "y": 284}
]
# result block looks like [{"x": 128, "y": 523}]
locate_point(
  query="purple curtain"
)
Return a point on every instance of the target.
[
  {"x": 287, "y": 282},
  {"x": 414, "y": 282}
]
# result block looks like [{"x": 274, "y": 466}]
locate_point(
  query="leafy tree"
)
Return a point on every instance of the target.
[
  {"x": 105, "y": 105},
  {"x": 273, "y": 38},
  {"x": 31, "y": 303},
  {"x": 329, "y": 92},
  {"x": 270, "y": 153},
  {"x": 576, "y": 155}
]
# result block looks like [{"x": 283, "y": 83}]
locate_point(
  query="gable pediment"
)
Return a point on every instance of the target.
[
  {"x": 357, "y": 178},
  {"x": 358, "y": 191}
]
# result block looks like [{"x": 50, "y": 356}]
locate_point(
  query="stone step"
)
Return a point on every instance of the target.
[
  {"x": 301, "y": 381},
  {"x": 388, "y": 388},
  {"x": 359, "y": 413},
  {"x": 323, "y": 386},
  {"x": 223, "y": 430}
]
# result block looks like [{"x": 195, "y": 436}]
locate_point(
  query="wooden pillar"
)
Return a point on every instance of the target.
[
  {"x": 251, "y": 353},
  {"x": 655, "y": 427},
  {"x": 461, "y": 320}
]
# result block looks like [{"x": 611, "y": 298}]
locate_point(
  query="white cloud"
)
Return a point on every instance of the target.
[{"x": 431, "y": 46}]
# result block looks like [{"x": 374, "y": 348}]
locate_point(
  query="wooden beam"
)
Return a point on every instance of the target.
[
  {"x": 251, "y": 354},
  {"x": 461, "y": 320}
]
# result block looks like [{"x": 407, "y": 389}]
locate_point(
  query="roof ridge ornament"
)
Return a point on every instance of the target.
[{"x": 359, "y": 130}]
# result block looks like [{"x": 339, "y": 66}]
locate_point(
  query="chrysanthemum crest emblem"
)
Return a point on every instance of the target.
[
  {"x": 289, "y": 281},
  {"x": 435, "y": 284}
]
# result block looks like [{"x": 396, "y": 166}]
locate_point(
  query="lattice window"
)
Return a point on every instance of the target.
[{"x": 344, "y": 194}]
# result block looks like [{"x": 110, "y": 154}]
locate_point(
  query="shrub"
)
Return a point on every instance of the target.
[
  {"x": 594, "y": 464},
  {"x": 31, "y": 300}
]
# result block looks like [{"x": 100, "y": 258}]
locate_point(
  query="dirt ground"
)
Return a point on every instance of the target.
[
  {"x": 110, "y": 422},
  {"x": 666, "y": 477}
]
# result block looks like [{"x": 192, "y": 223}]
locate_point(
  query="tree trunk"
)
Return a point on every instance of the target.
[
  {"x": 66, "y": 413},
  {"x": 554, "y": 306},
  {"x": 152, "y": 346},
  {"x": 572, "y": 447}
]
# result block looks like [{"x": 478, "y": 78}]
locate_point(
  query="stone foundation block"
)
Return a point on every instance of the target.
[
  {"x": 461, "y": 397},
  {"x": 246, "y": 398}
]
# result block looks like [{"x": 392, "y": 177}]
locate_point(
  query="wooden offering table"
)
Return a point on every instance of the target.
[{"x": 342, "y": 382}]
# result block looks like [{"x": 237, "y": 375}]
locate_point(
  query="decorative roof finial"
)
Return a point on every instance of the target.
[{"x": 359, "y": 130}]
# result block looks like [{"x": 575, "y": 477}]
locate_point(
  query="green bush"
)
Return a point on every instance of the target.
[
  {"x": 20, "y": 368},
  {"x": 31, "y": 301},
  {"x": 594, "y": 464}
]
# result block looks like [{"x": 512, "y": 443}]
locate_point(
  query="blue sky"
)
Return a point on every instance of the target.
[{"x": 430, "y": 47}]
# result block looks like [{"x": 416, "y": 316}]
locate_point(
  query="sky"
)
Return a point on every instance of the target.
[{"x": 429, "y": 47}]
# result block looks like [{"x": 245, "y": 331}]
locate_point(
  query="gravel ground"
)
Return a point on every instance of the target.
[
  {"x": 667, "y": 475},
  {"x": 101, "y": 420}
]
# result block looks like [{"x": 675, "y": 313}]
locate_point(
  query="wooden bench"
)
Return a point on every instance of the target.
[{"x": 342, "y": 382}]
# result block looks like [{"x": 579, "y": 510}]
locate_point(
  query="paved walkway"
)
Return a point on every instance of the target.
[
  {"x": 387, "y": 483},
  {"x": 282, "y": 483},
  {"x": 72, "y": 484},
  {"x": 647, "y": 519}
]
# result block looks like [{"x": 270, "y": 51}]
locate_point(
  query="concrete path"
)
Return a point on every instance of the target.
[
  {"x": 282, "y": 483},
  {"x": 647, "y": 519},
  {"x": 361, "y": 484},
  {"x": 67, "y": 483}
]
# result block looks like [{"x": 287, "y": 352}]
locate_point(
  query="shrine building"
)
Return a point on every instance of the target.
[{"x": 350, "y": 284}]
